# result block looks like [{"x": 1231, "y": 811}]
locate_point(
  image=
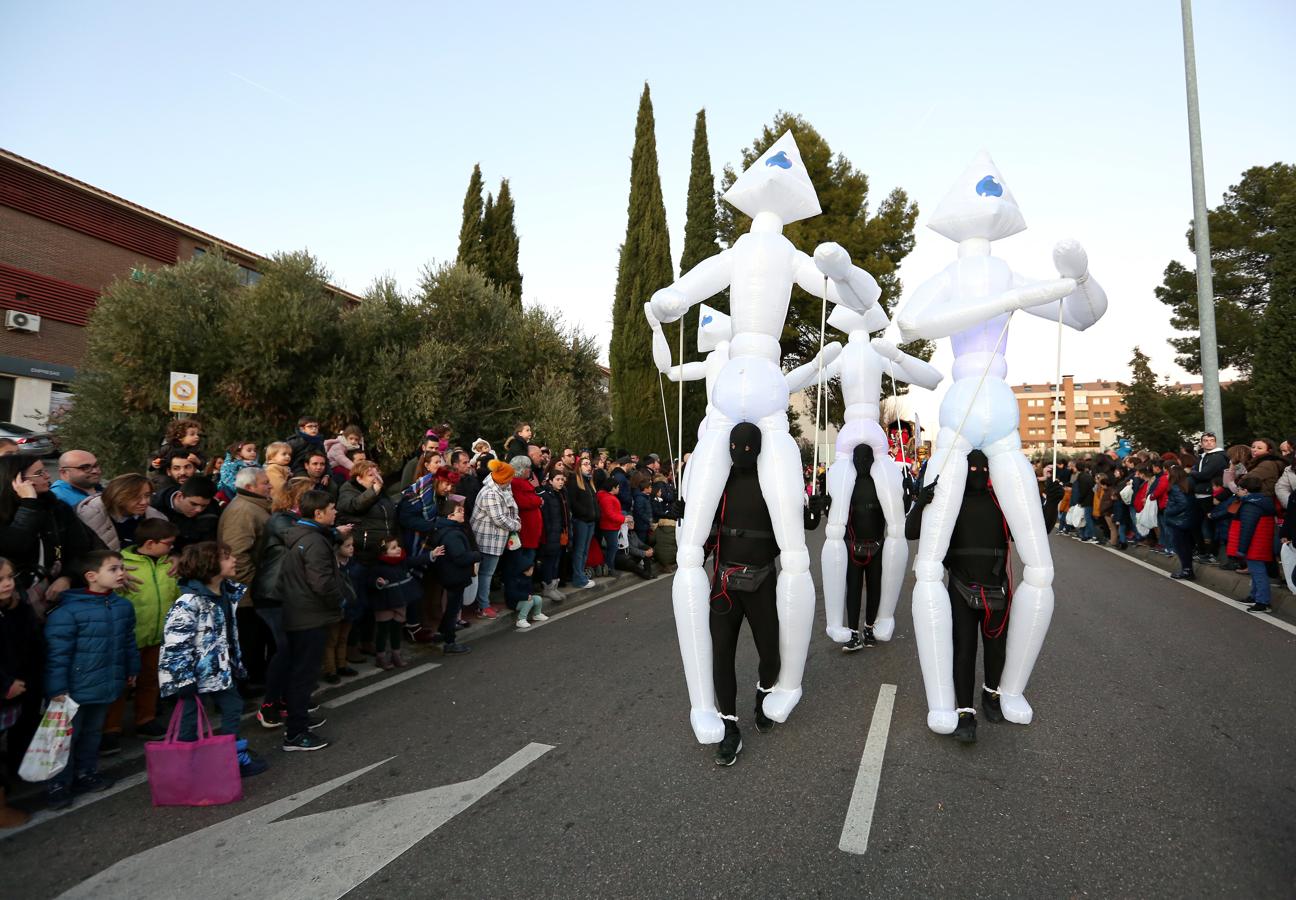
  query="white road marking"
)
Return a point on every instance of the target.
[
  {"x": 81, "y": 802},
  {"x": 584, "y": 606},
  {"x": 859, "y": 816},
  {"x": 315, "y": 857},
  {"x": 380, "y": 686},
  {"x": 1267, "y": 618}
]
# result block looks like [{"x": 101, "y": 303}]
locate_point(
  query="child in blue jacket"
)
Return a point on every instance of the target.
[{"x": 91, "y": 657}]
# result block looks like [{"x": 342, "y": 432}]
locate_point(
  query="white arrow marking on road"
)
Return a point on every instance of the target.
[
  {"x": 859, "y": 816},
  {"x": 315, "y": 857}
]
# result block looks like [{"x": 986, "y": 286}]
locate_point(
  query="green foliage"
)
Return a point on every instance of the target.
[
  {"x": 1271, "y": 397},
  {"x": 1156, "y": 417},
  {"x": 460, "y": 352},
  {"x": 471, "y": 250},
  {"x": 1244, "y": 233},
  {"x": 644, "y": 268},
  {"x": 500, "y": 240}
]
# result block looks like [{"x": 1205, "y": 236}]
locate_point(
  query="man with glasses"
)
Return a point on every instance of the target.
[{"x": 79, "y": 474}]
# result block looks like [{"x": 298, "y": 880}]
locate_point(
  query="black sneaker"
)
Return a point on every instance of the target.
[
  {"x": 151, "y": 731},
  {"x": 348, "y": 672},
  {"x": 312, "y": 724},
  {"x": 965, "y": 733},
  {"x": 455, "y": 647},
  {"x": 990, "y": 706},
  {"x": 109, "y": 744},
  {"x": 304, "y": 742},
  {"x": 93, "y": 783},
  {"x": 312, "y": 705},
  {"x": 59, "y": 796},
  {"x": 727, "y": 753},
  {"x": 1183, "y": 576},
  {"x": 333, "y": 678},
  {"x": 763, "y": 722},
  {"x": 869, "y": 640},
  {"x": 855, "y": 643},
  {"x": 1258, "y": 607},
  {"x": 270, "y": 715}
]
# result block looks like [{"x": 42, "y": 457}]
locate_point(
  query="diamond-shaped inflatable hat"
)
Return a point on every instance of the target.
[
  {"x": 777, "y": 182},
  {"x": 847, "y": 320},
  {"x": 978, "y": 206},
  {"x": 713, "y": 328}
]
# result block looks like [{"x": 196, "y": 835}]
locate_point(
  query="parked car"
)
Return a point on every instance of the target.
[{"x": 30, "y": 443}]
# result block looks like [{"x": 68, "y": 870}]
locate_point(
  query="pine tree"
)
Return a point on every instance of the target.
[
  {"x": 500, "y": 241},
  {"x": 1271, "y": 398},
  {"x": 644, "y": 268},
  {"x": 472, "y": 252},
  {"x": 1156, "y": 416}
]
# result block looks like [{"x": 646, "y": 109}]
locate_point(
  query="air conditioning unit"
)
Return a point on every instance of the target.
[{"x": 21, "y": 321}]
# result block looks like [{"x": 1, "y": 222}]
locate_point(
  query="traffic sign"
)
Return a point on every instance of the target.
[{"x": 184, "y": 393}]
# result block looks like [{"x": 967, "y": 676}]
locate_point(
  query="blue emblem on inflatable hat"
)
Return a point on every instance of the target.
[
  {"x": 714, "y": 328},
  {"x": 776, "y": 183},
  {"x": 979, "y": 205}
]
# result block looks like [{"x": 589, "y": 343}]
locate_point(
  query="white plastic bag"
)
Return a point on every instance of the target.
[
  {"x": 1287, "y": 557},
  {"x": 1075, "y": 516},
  {"x": 51, "y": 746},
  {"x": 1127, "y": 492},
  {"x": 1148, "y": 517},
  {"x": 623, "y": 536}
]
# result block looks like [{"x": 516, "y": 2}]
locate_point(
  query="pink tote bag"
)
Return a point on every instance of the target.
[{"x": 204, "y": 772}]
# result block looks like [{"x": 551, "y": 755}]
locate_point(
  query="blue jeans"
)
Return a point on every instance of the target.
[
  {"x": 1259, "y": 581},
  {"x": 485, "y": 571},
  {"x": 228, "y": 701},
  {"x": 517, "y": 583},
  {"x": 582, "y": 534},
  {"x": 609, "y": 541},
  {"x": 1088, "y": 531},
  {"x": 87, "y": 729},
  {"x": 276, "y": 683}
]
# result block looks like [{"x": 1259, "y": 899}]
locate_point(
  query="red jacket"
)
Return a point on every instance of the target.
[
  {"x": 1162, "y": 491},
  {"x": 528, "y": 503},
  {"x": 610, "y": 514}
]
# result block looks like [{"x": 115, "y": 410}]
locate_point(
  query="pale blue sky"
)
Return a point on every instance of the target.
[{"x": 351, "y": 130}]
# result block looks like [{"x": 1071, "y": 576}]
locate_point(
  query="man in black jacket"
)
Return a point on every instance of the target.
[
  {"x": 1209, "y": 465},
  {"x": 310, "y": 587},
  {"x": 1082, "y": 494},
  {"x": 469, "y": 484}
]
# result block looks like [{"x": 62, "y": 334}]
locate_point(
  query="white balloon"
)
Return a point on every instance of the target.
[{"x": 972, "y": 301}]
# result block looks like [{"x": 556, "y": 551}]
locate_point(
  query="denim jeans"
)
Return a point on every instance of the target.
[
  {"x": 485, "y": 571},
  {"x": 1181, "y": 541},
  {"x": 276, "y": 683},
  {"x": 230, "y": 704},
  {"x": 609, "y": 541},
  {"x": 582, "y": 534},
  {"x": 1259, "y": 581},
  {"x": 517, "y": 584},
  {"x": 1089, "y": 531},
  {"x": 87, "y": 729}
]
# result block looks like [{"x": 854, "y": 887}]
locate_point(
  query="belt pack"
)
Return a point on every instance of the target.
[
  {"x": 743, "y": 578},
  {"x": 981, "y": 596},
  {"x": 865, "y": 549}
]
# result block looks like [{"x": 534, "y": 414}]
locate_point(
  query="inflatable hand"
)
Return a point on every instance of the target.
[
  {"x": 887, "y": 350},
  {"x": 833, "y": 260},
  {"x": 669, "y": 304},
  {"x": 653, "y": 322},
  {"x": 1070, "y": 259}
]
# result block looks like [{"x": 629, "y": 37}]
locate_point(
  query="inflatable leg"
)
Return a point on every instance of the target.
[
  {"x": 895, "y": 549},
  {"x": 1032, "y": 602},
  {"x": 690, "y": 590},
  {"x": 841, "y": 483},
  {"x": 779, "y": 467},
  {"x": 933, "y": 625}
]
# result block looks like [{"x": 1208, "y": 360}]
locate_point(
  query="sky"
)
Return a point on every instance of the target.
[{"x": 352, "y": 130}]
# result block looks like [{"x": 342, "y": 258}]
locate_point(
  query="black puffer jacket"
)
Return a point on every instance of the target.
[
  {"x": 582, "y": 503},
  {"x": 265, "y": 584},
  {"x": 43, "y": 531},
  {"x": 556, "y": 518},
  {"x": 310, "y": 582},
  {"x": 373, "y": 515}
]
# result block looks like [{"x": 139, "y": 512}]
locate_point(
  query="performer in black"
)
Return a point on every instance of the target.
[
  {"x": 743, "y": 585},
  {"x": 980, "y": 590},
  {"x": 865, "y": 532}
]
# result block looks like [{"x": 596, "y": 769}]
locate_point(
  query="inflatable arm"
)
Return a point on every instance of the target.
[
  {"x": 906, "y": 368},
  {"x": 707, "y": 278},
  {"x": 928, "y": 316},
  {"x": 848, "y": 286},
  {"x": 694, "y": 371},
  {"x": 1086, "y": 304},
  {"x": 802, "y": 376}
]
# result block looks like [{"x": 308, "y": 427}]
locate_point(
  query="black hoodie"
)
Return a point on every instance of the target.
[{"x": 746, "y": 532}]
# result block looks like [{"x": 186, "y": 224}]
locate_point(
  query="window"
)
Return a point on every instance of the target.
[
  {"x": 199, "y": 251},
  {"x": 248, "y": 277}
]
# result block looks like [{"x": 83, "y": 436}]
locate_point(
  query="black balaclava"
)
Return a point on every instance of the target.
[
  {"x": 863, "y": 458},
  {"x": 744, "y": 445},
  {"x": 978, "y": 482}
]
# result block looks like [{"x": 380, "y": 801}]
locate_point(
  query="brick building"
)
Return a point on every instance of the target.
[
  {"x": 1084, "y": 410},
  {"x": 62, "y": 242}
]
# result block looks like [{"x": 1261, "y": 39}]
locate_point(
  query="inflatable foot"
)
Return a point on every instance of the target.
[
  {"x": 779, "y": 703},
  {"x": 708, "y": 727},
  {"x": 839, "y": 634},
  {"x": 942, "y": 721},
  {"x": 883, "y": 629},
  {"x": 1016, "y": 709}
]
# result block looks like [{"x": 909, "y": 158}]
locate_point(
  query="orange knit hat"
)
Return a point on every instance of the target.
[{"x": 501, "y": 471}]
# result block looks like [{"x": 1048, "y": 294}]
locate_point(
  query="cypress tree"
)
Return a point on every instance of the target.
[
  {"x": 701, "y": 229},
  {"x": 1271, "y": 399},
  {"x": 471, "y": 249},
  {"x": 501, "y": 244},
  {"x": 644, "y": 268}
]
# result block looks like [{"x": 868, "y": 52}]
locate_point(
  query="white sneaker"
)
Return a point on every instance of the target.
[
  {"x": 539, "y": 617},
  {"x": 587, "y": 585},
  {"x": 523, "y": 623}
]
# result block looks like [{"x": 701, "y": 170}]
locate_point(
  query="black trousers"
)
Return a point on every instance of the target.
[
  {"x": 305, "y": 654},
  {"x": 861, "y": 579},
  {"x": 727, "y": 614},
  {"x": 1204, "y": 534},
  {"x": 967, "y": 625},
  {"x": 256, "y": 642},
  {"x": 450, "y": 618}
]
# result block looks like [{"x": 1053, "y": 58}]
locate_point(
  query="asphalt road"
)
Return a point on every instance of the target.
[{"x": 1159, "y": 765}]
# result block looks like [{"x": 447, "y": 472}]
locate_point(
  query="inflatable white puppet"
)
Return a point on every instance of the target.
[
  {"x": 714, "y": 332},
  {"x": 759, "y": 270},
  {"x": 972, "y": 301},
  {"x": 861, "y": 367}
]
